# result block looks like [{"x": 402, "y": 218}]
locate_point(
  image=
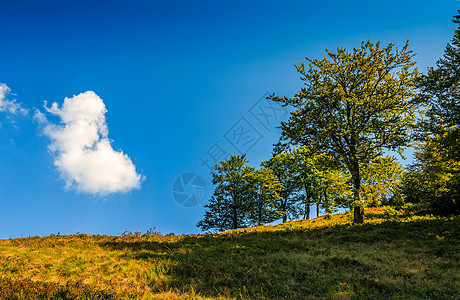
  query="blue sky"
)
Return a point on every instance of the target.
[{"x": 176, "y": 77}]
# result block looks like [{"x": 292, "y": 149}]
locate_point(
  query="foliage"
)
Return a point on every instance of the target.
[
  {"x": 323, "y": 179},
  {"x": 353, "y": 105},
  {"x": 381, "y": 180},
  {"x": 434, "y": 179},
  {"x": 390, "y": 256},
  {"x": 264, "y": 197},
  {"x": 441, "y": 86},
  {"x": 283, "y": 166},
  {"x": 304, "y": 162},
  {"x": 243, "y": 196},
  {"x": 229, "y": 205}
]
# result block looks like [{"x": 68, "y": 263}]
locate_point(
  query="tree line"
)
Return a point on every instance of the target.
[{"x": 354, "y": 107}]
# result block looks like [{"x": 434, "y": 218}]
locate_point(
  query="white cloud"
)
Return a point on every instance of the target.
[
  {"x": 40, "y": 117},
  {"x": 10, "y": 106},
  {"x": 83, "y": 153}
]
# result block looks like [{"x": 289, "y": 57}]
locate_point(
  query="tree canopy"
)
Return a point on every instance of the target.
[
  {"x": 244, "y": 196},
  {"x": 441, "y": 85},
  {"x": 434, "y": 179},
  {"x": 353, "y": 106},
  {"x": 227, "y": 208}
]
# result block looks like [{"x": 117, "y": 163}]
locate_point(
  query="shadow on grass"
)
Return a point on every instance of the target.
[
  {"x": 393, "y": 259},
  {"x": 27, "y": 289}
]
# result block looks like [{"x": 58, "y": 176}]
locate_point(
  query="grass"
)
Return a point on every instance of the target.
[{"x": 391, "y": 256}]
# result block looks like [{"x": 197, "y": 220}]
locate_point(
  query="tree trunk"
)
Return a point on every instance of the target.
[
  {"x": 307, "y": 204},
  {"x": 259, "y": 221},
  {"x": 328, "y": 209},
  {"x": 317, "y": 209},
  {"x": 235, "y": 211},
  {"x": 358, "y": 213},
  {"x": 235, "y": 217},
  {"x": 285, "y": 210},
  {"x": 307, "y": 211}
]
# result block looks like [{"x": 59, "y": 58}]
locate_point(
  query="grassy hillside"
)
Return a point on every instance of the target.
[{"x": 390, "y": 256}]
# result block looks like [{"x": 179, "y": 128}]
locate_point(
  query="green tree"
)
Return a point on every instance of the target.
[
  {"x": 353, "y": 106},
  {"x": 284, "y": 168},
  {"x": 434, "y": 179},
  {"x": 229, "y": 204},
  {"x": 436, "y": 170},
  {"x": 307, "y": 179},
  {"x": 441, "y": 86},
  {"x": 264, "y": 197},
  {"x": 323, "y": 180},
  {"x": 381, "y": 180}
]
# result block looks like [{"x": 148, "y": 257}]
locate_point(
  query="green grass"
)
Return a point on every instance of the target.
[{"x": 391, "y": 256}]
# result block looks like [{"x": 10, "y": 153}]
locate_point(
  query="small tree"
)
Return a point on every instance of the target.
[
  {"x": 307, "y": 179},
  {"x": 283, "y": 167},
  {"x": 322, "y": 178},
  {"x": 353, "y": 106},
  {"x": 229, "y": 204},
  {"x": 264, "y": 197}
]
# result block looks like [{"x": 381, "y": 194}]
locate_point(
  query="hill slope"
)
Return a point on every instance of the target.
[{"x": 390, "y": 256}]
